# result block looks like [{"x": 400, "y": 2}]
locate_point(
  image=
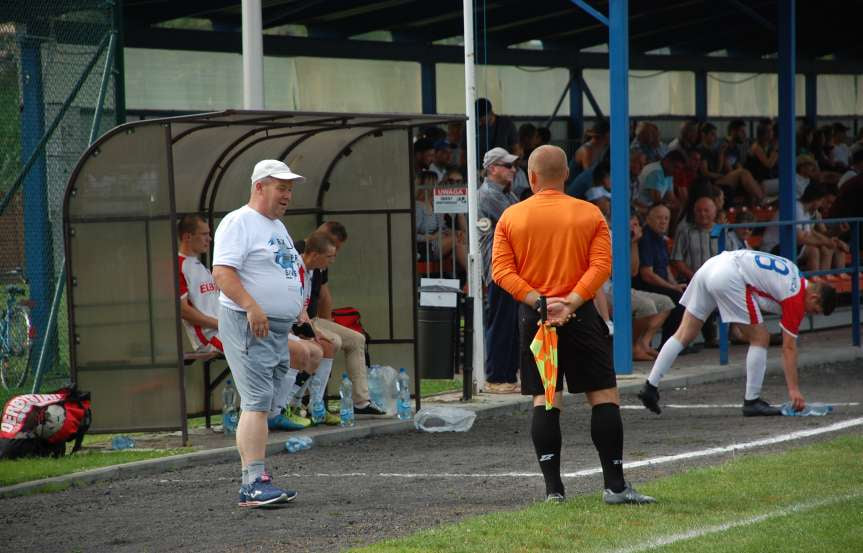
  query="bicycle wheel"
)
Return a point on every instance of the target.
[{"x": 15, "y": 364}]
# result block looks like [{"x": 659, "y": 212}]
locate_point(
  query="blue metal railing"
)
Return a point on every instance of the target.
[{"x": 853, "y": 270}]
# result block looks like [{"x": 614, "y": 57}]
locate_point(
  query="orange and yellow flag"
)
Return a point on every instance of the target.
[{"x": 544, "y": 349}]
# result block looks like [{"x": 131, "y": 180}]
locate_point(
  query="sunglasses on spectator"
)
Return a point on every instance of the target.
[{"x": 506, "y": 165}]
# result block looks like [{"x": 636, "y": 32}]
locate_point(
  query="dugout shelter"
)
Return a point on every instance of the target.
[{"x": 120, "y": 211}]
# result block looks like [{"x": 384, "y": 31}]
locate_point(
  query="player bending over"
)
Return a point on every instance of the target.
[{"x": 742, "y": 284}]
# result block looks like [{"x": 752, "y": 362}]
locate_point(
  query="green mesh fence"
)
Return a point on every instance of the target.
[{"x": 52, "y": 67}]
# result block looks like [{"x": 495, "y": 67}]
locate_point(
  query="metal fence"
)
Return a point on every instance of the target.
[{"x": 57, "y": 93}]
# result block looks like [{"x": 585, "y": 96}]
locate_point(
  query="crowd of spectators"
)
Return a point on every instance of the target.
[{"x": 678, "y": 191}]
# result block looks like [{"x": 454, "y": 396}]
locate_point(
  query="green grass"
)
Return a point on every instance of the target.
[
  {"x": 25, "y": 470},
  {"x": 432, "y": 387},
  {"x": 746, "y": 487}
]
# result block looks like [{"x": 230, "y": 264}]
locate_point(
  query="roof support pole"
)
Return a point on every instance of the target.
[
  {"x": 38, "y": 253},
  {"x": 812, "y": 99},
  {"x": 253, "y": 56},
  {"x": 618, "y": 43},
  {"x": 589, "y": 94},
  {"x": 701, "y": 95},
  {"x": 475, "y": 258},
  {"x": 576, "y": 104},
  {"x": 787, "y": 161},
  {"x": 428, "y": 78}
]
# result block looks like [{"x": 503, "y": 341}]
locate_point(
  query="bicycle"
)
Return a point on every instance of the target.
[{"x": 16, "y": 338}]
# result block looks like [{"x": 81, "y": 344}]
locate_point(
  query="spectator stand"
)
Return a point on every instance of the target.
[
  {"x": 851, "y": 286},
  {"x": 120, "y": 210}
]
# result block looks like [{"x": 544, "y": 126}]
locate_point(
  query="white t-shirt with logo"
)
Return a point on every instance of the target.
[
  {"x": 197, "y": 285},
  {"x": 264, "y": 256}
]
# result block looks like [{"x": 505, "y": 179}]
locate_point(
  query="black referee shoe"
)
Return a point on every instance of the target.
[
  {"x": 759, "y": 408},
  {"x": 649, "y": 396}
]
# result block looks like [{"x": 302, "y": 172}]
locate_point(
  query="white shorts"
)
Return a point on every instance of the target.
[{"x": 719, "y": 284}]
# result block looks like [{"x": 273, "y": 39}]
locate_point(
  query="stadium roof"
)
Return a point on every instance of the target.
[{"x": 686, "y": 27}]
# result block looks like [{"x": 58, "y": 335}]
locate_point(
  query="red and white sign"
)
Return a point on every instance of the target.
[{"x": 450, "y": 200}]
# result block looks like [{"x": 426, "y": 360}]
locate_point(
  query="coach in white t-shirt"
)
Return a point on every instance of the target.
[{"x": 256, "y": 267}]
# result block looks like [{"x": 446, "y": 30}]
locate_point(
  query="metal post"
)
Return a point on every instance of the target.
[
  {"x": 119, "y": 70},
  {"x": 39, "y": 259},
  {"x": 253, "y": 56},
  {"x": 812, "y": 99},
  {"x": 467, "y": 368},
  {"x": 428, "y": 77},
  {"x": 787, "y": 159},
  {"x": 576, "y": 104},
  {"x": 475, "y": 258},
  {"x": 590, "y": 98},
  {"x": 618, "y": 58},
  {"x": 701, "y": 95},
  {"x": 103, "y": 88},
  {"x": 855, "y": 283}
]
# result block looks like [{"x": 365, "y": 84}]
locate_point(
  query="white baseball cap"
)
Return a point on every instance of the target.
[
  {"x": 276, "y": 169},
  {"x": 596, "y": 192}
]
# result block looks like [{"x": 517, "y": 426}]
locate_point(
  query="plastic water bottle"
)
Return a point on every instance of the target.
[
  {"x": 403, "y": 399},
  {"x": 811, "y": 410},
  {"x": 318, "y": 411},
  {"x": 122, "y": 442},
  {"x": 230, "y": 416},
  {"x": 346, "y": 395},
  {"x": 376, "y": 385},
  {"x": 299, "y": 443}
]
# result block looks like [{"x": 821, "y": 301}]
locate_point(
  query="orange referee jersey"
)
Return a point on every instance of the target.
[{"x": 552, "y": 243}]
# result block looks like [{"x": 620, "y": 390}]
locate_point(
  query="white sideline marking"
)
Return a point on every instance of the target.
[
  {"x": 721, "y": 405},
  {"x": 634, "y": 464},
  {"x": 700, "y": 532}
]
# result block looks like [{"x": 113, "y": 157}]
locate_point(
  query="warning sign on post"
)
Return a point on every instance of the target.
[{"x": 450, "y": 200}]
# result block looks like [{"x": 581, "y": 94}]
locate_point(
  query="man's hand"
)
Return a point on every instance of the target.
[
  {"x": 303, "y": 318},
  {"x": 258, "y": 321},
  {"x": 680, "y": 287},
  {"x": 796, "y": 398},
  {"x": 559, "y": 311}
]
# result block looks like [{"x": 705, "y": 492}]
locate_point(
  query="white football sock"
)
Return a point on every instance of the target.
[
  {"x": 280, "y": 396},
  {"x": 318, "y": 381},
  {"x": 756, "y": 365},
  {"x": 669, "y": 352}
]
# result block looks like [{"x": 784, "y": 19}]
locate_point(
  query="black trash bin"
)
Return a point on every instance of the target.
[{"x": 436, "y": 342}]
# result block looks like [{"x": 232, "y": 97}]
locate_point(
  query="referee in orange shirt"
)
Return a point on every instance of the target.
[{"x": 555, "y": 246}]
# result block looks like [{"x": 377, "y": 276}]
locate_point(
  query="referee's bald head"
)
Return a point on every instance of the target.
[{"x": 547, "y": 168}]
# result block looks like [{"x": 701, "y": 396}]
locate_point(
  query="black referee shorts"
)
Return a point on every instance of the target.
[{"x": 583, "y": 352}]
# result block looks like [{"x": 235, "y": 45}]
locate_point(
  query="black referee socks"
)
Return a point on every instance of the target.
[
  {"x": 606, "y": 430},
  {"x": 545, "y": 431}
]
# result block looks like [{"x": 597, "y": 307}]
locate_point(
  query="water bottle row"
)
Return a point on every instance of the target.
[
  {"x": 378, "y": 394},
  {"x": 383, "y": 390}
]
